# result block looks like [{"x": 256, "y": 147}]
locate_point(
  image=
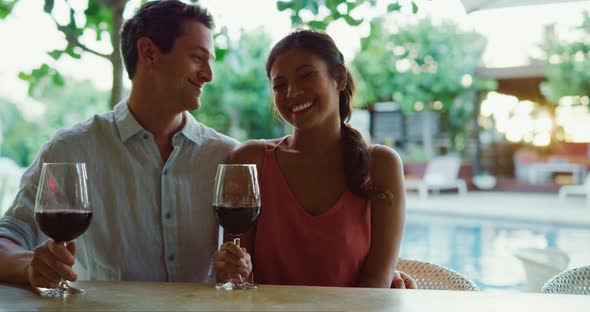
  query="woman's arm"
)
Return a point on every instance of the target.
[
  {"x": 230, "y": 260},
  {"x": 387, "y": 219},
  {"x": 249, "y": 152}
]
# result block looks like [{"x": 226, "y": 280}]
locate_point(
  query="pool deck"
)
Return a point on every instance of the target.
[{"x": 531, "y": 207}]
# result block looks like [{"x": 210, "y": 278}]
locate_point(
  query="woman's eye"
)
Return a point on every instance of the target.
[
  {"x": 307, "y": 75},
  {"x": 278, "y": 87},
  {"x": 196, "y": 57}
]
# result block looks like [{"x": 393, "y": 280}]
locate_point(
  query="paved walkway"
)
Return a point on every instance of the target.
[{"x": 532, "y": 207}]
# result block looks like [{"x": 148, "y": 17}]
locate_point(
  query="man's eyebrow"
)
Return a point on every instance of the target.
[{"x": 204, "y": 50}]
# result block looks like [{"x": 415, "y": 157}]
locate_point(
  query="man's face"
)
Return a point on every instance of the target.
[{"x": 181, "y": 73}]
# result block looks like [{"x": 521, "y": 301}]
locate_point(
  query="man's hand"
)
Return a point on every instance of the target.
[
  {"x": 403, "y": 281},
  {"x": 51, "y": 262},
  {"x": 231, "y": 262}
]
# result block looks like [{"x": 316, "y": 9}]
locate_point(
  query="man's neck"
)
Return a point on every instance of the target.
[{"x": 154, "y": 116}]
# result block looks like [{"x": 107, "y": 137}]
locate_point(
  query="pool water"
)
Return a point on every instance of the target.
[{"x": 483, "y": 248}]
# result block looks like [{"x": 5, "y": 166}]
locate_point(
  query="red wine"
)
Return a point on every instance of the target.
[
  {"x": 236, "y": 220},
  {"x": 63, "y": 225}
]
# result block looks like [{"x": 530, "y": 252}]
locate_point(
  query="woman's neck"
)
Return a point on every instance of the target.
[{"x": 318, "y": 139}]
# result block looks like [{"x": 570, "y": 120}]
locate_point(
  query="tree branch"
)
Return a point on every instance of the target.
[{"x": 73, "y": 40}]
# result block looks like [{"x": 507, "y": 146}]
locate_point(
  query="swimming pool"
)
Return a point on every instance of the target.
[{"x": 482, "y": 248}]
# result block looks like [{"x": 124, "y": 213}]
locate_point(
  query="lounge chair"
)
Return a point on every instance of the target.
[
  {"x": 442, "y": 173},
  {"x": 582, "y": 189}
]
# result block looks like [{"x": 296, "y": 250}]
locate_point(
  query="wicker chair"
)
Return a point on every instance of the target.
[
  {"x": 573, "y": 281},
  {"x": 540, "y": 264},
  {"x": 432, "y": 276}
]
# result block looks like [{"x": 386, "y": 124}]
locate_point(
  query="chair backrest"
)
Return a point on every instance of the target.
[
  {"x": 442, "y": 169},
  {"x": 574, "y": 281},
  {"x": 540, "y": 264},
  {"x": 432, "y": 276}
]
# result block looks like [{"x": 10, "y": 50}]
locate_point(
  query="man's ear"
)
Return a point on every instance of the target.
[
  {"x": 341, "y": 74},
  {"x": 147, "y": 52}
]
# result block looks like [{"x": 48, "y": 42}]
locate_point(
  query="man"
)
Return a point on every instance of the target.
[{"x": 150, "y": 166}]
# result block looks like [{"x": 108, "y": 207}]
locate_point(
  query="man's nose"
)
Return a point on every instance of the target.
[{"x": 207, "y": 73}]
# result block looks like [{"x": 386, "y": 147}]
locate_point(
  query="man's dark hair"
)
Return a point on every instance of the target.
[{"x": 162, "y": 21}]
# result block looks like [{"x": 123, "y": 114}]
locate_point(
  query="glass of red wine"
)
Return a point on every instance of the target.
[
  {"x": 236, "y": 204},
  {"x": 62, "y": 210}
]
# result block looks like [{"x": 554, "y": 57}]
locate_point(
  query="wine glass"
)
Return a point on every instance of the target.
[
  {"x": 62, "y": 210},
  {"x": 236, "y": 204}
]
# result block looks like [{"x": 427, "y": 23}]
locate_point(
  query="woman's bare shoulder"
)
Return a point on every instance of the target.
[
  {"x": 251, "y": 151},
  {"x": 384, "y": 155}
]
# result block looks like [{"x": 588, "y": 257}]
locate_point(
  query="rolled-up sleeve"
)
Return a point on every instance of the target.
[{"x": 18, "y": 224}]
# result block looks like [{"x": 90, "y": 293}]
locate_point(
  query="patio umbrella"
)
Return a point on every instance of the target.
[{"x": 479, "y": 5}]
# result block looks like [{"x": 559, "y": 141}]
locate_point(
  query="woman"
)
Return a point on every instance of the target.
[{"x": 332, "y": 207}]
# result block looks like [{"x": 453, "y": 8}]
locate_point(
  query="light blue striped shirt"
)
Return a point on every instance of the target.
[{"x": 152, "y": 221}]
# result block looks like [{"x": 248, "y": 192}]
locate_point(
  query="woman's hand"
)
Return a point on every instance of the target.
[
  {"x": 230, "y": 262},
  {"x": 403, "y": 281}
]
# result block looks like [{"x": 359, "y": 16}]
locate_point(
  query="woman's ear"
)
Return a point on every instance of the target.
[{"x": 341, "y": 74}]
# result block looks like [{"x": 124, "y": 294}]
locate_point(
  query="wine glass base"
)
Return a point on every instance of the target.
[
  {"x": 232, "y": 286},
  {"x": 60, "y": 292}
]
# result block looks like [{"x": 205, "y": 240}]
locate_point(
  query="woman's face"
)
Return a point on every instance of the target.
[{"x": 305, "y": 93}]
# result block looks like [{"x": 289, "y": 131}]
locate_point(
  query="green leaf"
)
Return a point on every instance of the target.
[
  {"x": 56, "y": 54},
  {"x": 414, "y": 7},
  {"x": 24, "y": 76},
  {"x": 58, "y": 80},
  {"x": 283, "y": 5},
  {"x": 317, "y": 25},
  {"x": 48, "y": 6},
  {"x": 351, "y": 21},
  {"x": 71, "y": 52},
  {"x": 393, "y": 7},
  {"x": 296, "y": 20},
  {"x": 220, "y": 54},
  {"x": 6, "y": 7}
]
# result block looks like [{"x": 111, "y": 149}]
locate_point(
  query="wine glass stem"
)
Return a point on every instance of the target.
[
  {"x": 237, "y": 242},
  {"x": 63, "y": 284}
]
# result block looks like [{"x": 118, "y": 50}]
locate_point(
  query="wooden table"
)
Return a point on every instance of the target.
[{"x": 135, "y": 296}]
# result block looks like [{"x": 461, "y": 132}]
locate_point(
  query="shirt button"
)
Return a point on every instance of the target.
[
  {"x": 171, "y": 258},
  {"x": 145, "y": 136},
  {"x": 165, "y": 171},
  {"x": 167, "y": 215}
]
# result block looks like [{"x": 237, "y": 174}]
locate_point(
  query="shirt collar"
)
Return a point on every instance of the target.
[
  {"x": 192, "y": 128},
  {"x": 128, "y": 125}
]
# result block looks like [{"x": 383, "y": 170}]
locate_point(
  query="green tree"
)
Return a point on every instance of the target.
[
  {"x": 567, "y": 64},
  {"x": 422, "y": 66},
  {"x": 238, "y": 100},
  {"x": 19, "y": 137},
  {"x": 22, "y": 138}
]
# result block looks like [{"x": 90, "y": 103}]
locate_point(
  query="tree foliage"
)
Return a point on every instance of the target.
[
  {"x": 21, "y": 138},
  {"x": 324, "y": 12},
  {"x": 422, "y": 66},
  {"x": 567, "y": 65},
  {"x": 237, "y": 102}
]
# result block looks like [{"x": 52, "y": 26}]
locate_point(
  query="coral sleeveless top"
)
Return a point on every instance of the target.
[{"x": 293, "y": 247}]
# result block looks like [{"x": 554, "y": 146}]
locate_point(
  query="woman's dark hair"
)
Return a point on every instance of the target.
[
  {"x": 355, "y": 154},
  {"x": 162, "y": 21}
]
